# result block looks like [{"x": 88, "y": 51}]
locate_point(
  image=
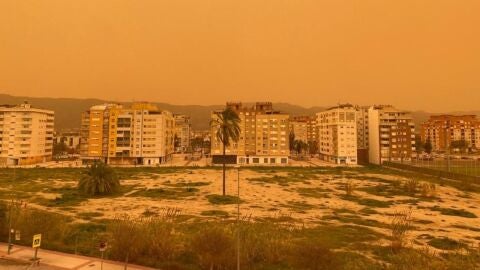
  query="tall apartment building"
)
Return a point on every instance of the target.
[
  {"x": 182, "y": 132},
  {"x": 442, "y": 130},
  {"x": 338, "y": 134},
  {"x": 263, "y": 136},
  {"x": 391, "y": 134},
  {"x": 305, "y": 128},
  {"x": 26, "y": 135},
  {"x": 141, "y": 134},
  {"x": 362, "y": 133}
]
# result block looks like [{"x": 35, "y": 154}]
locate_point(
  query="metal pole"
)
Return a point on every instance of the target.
[
  {"x": 35, "y": 254},
  {"x": 9, "y": 247},
  {"x": 238, "y": 218},
  {"x": 101, "y": 262}
]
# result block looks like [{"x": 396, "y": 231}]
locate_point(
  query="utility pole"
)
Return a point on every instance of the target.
[
  {"x": 10, "y": 214},
  {"x": 447, "y": 148},
  {"x": 238, "y": 217}
]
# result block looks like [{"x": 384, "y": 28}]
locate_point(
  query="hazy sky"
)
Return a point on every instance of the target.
[{"x": 415, "y": 54}]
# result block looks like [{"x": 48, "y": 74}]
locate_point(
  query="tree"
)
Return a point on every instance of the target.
[
  {"x": 227, "y": 124},
  {"x": 60, "y": 148},
  {"x": 419, "y": 146},
  {"x": 461, "y": 145},
  {"x": 313, "y": 147},
  {"x": 176, "y": 141},
  {"x": 291, "y": 140},
  {"x": 98, "y": 179},
  {"x": 428, "y": 146},
  {"x": 299, "y": 146}
]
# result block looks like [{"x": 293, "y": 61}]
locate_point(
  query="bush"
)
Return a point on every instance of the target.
[
  {"x": 214, "y": 246},
  {"x": 411, "y": 186},
  {"x": 400, "y": 226},
  {"x": 429, "y": 190},
  {"x": 349, "y": 188},
  {"x": 223, "y": 199},
  {"x": 309, "y": 255},
  {"x": 98, "y": 179}
]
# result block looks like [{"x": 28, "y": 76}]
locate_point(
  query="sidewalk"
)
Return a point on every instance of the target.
[{"x": 58, "y": 260}]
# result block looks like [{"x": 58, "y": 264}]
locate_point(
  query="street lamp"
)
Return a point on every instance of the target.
[{"x": 238, "y": 216}]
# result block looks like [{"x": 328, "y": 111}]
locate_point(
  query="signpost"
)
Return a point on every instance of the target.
[
  {"x": 102, "y": 247},
  {"x": 37, "y": 241}
]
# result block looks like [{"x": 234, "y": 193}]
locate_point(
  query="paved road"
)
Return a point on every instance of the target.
[{"x": 52, "y": 260}]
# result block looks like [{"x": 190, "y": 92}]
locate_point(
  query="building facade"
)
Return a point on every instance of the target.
[
  {"x": 305, "y": 128},
  {"x": 391, "y": 134},
  {"x": 362, "y": 134},
  {"x": 26, "y": 135},
  {"x": 337, "y": 128},
  {"x": 138, "y": 135},
  {"x": 70, "y": 139},
  {"x": 183, "y": 130},
  {"x": 263, "y": 135},
  {"x": 442, "y": 130}
]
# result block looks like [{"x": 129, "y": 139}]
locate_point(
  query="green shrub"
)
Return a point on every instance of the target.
[{"x": 223, "y": 199}]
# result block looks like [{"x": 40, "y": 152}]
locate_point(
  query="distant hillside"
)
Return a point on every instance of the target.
[{"x": 68, "y": 110}]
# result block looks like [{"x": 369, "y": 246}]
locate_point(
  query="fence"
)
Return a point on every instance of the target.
[{"x": 455, "y": 170}]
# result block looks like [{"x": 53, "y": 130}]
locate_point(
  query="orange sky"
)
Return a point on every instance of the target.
[{"x": 415, "y": 54}]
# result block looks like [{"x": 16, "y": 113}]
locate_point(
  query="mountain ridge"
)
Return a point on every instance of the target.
[{"x": 68, "y": 110}]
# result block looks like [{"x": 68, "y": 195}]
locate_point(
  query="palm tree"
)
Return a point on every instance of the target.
[
  {"x": 98, "y": 179},
  {"x": 227, "y": 124}
]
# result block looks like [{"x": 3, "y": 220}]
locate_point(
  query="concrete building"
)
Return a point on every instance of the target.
[
  {"x": 70, "y": 139},
  {"x": 141, "y": 134},
  {"x": 305, "y": 128},
  {"x": 442, "y": 130},
  {"x": 263, "y": 138},
  {"x": 362, "y": 133},
  {"x": 338, "y": 134},
  {"x": 391, "y": 134},
  {"x": 183, "y": 130},
  {"x": 26, "y": 135}
]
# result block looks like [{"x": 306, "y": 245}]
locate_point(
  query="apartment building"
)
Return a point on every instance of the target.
[
  {"x": 183, "y": 130},
  {"x": 391, "y": 134},
  {"x": 137, "y": 135},
  {"x": 337, "y": 129},
  {"x": 362, "y": 133},
  {"x": 26, "y": 135},
  {"x": 442, "y": 130},
  {"x": 263, "y": 135},
  {"x": 305, "y": 128},
  {"x": 70, "y": 139}
]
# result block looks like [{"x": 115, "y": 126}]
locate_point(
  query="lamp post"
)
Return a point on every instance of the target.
[{"x": 238, "y": 216}]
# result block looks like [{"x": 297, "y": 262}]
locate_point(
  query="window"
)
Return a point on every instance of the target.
[{"x": 255, "y": 160}]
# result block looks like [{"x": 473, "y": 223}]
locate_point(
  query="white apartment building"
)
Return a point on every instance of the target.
[
  {"x": 391, "y": 134},
  {"x": 337, "y": 128},
  {"x": 139, "y": 135},
  {"x": 26, "y": 135}
]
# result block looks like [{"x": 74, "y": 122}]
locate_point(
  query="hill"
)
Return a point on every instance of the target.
[{"x": 68, "y": 110}]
